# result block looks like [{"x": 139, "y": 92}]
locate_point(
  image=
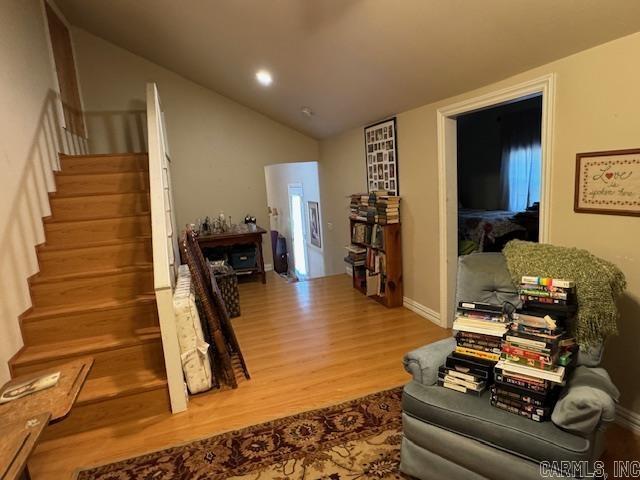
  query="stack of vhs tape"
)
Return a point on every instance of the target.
[
  {"x": 536, "y": 350},
  {"x": 480, "y": 328}
]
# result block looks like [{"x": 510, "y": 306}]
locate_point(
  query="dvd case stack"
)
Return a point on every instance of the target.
[
  {"x": 537, "y": 349},
  {"x": 469, "y": 368}
]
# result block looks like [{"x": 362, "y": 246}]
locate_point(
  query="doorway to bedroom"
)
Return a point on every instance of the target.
[
  {"x": 499, "y": 165},
  {"x": 540, "y": 90}
]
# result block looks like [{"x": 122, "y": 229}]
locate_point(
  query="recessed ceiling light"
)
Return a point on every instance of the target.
[{"x": 264, "y": 78}]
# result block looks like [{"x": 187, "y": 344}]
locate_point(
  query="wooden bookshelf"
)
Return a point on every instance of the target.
[{"x": 392, "y": 250}]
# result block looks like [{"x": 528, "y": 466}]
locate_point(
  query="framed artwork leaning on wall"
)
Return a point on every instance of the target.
[{"x": 315, "y": 235}]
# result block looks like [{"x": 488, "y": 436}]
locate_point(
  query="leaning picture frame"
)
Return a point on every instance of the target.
[{"x": 315, "y": 234}]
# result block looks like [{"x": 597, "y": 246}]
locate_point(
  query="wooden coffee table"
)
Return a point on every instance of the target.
[
  {"x": 17, "y": 440},
  {"x": 56, "y": 400},
  {"x": 22, "y": 420}
]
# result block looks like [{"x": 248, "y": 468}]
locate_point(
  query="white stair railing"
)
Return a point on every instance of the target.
[{"x": 165, "y": 245}]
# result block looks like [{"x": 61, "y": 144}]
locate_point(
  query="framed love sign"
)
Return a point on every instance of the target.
[{"x": 608, "y": 182}]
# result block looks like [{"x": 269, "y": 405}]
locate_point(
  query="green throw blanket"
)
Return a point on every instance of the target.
[{"x": 598, "y": 283}]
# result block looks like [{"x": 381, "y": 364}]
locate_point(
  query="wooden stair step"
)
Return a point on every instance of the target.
[
  {"x": 119, "y": 318},
  {"x": 97, "y": 256},
  {"x": 140, "y": 409},
  {"x": 85, "y": 207},
  {"x": 120, "y": 385},
  {"x": 73, "y": 184},
  {"x": 95, "y": 286},
  {"x": 81, "y": 346},
  {"x": 40, "y": 313},
  {"x": 104, "y": 163},
  {"x": 84, "y": 232},
  {"x": 111, "y": 355}
]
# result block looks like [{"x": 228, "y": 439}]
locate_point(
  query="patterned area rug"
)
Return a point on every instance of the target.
[{"x": 357, "y": 440}]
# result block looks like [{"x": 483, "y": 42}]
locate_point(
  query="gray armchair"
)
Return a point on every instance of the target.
[{"x": 449, "y": 435}]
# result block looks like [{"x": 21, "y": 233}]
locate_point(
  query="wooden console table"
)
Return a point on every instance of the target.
[{"x": 227, "y": 239}]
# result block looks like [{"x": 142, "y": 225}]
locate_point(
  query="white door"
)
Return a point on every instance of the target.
[{"x": 298, "y": 231}]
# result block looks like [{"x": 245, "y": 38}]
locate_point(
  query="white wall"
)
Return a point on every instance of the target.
[
  {"x": 31, "y": 135},
  {"x": 278, "y": 178},
  {"x": 218, "y": 147}
]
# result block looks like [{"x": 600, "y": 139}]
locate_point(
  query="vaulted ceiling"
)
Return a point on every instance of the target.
[{"x": 351, "y": 61}]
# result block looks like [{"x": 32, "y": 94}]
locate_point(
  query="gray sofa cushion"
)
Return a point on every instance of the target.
[
  {"x": 474, "y": 417},
  {"x": 430, "y": 452},
  {"x": 484, "y": 277}
]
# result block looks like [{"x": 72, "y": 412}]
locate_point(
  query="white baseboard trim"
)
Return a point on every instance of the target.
[
  {"x": 349, "y": 270},
  {"x": 268, "y": 267},
  {"x": 628, "y": 419},
  {"x": 421, "y": 310}
]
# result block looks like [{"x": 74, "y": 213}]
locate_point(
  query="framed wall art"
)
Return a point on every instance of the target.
[
  {"x": 608, "y": 182},
  {"x": 315, "y": 235},
  {"x": 381, "y": 155}
]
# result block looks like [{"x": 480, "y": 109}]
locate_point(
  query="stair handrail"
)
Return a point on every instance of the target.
[{"x": 165, "y": 245}]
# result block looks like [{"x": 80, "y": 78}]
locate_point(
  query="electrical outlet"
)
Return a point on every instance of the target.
[{"x": 330, "y": 226}]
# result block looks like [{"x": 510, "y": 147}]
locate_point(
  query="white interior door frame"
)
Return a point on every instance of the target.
[{"x": 447, "y": 174}]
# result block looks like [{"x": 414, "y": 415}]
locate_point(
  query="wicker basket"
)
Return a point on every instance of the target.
[{"x": 227, "y": 281}]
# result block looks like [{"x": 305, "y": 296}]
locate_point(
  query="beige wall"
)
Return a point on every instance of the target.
[
  {"x": 596, "y": 109},
  {"x": 30, "y": 138},
  {"x": 218, "y": 147}
]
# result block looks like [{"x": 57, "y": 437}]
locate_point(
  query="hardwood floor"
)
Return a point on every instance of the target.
[{"x": 307, "y": 345}]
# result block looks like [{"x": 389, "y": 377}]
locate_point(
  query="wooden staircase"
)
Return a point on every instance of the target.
[{"x": 94, "y": 292}]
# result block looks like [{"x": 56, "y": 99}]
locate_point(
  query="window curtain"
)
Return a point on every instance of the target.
[{"x": 521, "y": 160}]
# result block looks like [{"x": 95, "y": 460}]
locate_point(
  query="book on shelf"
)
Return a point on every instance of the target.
[
  {"x": 356, "y": 255},
  {"x": 375, "y": 207},
  {"x": 368, "y": 234},
  {"x": 353, "y": 262},
  {"x": 373, "y": 284}
]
